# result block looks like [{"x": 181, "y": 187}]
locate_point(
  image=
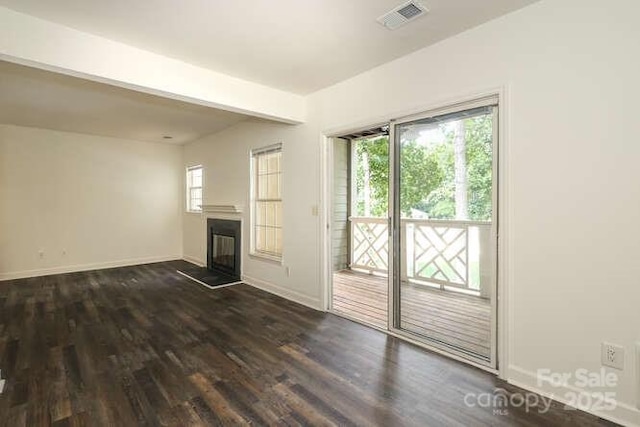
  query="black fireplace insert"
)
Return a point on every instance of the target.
[{"x": 223, "y": 246}]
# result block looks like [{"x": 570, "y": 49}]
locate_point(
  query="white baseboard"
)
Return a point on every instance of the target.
[
  {"x": 194, "y": 260},
  {"x": 623, "y": 414},
  {"x": 283, "y": 292},
  {"x": 85, "y": 267}
]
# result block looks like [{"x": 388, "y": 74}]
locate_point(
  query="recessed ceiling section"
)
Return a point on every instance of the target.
[
  {"x": 47, "y": 100},
  {"x": 292, "y": 45}
]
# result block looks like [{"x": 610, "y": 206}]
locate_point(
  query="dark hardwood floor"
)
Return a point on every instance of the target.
[{"x": 144, "y": 345}]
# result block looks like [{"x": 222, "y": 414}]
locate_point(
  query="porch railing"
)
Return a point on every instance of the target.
[{"x": 447, "y": 253}]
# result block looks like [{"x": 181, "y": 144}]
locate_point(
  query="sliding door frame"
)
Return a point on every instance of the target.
[
  {"x": 395, "y": 232},
  {"x": 503, "y": 271}
]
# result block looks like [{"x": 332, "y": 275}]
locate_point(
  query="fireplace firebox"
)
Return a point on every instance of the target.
[{"x": 223, "y": 246}]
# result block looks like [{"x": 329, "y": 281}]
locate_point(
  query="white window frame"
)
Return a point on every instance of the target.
[
  {"x": 189, "y": 188},
  {"x": 275, "y": 148}
]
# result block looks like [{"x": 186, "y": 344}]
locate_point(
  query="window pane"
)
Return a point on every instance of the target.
[
  {"x": 197, "y": 180},
  {"x": 278, "y": 241},
  {"x": 273, "y": 162},
  {"x": 272, "y": 183},
  {"x": 261, "y": 213},
  {"x": 267, "y": 205},
  {"x": 194, "y": 189},
  {"x": 194, "y": 177},
  {"x": 260, "y": 238},
  {"x": 271, "y": 214},
  {"x": 257, "y": 216},
  {"x": 461, "y": 149},
  {"x": 278, "y": 214},
  {"x": 262, "y": 186},
  {"x": 195, "y": 199},
  {"x": 279, "y": 185},
  {"x": 271, "y": 237},
  {"x": 262, "y": 164}
]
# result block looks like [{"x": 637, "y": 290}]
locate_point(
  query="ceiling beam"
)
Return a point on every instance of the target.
[{"x": 31, "y": 41}]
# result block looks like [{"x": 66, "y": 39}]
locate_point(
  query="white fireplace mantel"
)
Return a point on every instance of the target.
[
  {"x": 223, "y": 211},
  {"x": 222, "y": 208}
]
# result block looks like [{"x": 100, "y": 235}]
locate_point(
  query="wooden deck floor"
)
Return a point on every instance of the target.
[{"x": 463, "y": 321}]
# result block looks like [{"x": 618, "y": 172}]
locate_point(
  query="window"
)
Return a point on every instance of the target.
[
  {"x": 194, "y": 189},
  {"x": 266, "y": 202}
]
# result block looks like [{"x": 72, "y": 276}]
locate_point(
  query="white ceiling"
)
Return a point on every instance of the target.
[
  {"x": 294, "y": 45},
  {"x": 47, "y": 100}
]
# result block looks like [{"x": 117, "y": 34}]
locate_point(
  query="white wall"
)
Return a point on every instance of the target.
[
  {"x": 103, "y": 201},
  {"x": 225, "y": 157},
  {"x": 570, "y": 71}
]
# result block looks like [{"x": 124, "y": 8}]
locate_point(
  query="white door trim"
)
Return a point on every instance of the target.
[{"x": 504, "y": 260}]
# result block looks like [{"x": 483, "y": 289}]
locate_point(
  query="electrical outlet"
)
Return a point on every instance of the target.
[
  {"x": 288, "y": 271},
  {"x": 41, "y": 253},
  {"x": 613, "y": 355}
]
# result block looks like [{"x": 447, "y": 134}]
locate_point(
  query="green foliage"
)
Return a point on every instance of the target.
[
  {"x": 478, "y": 138},
  {"x": 377, "y": 151},
  {"x": 479, "y": 132},
  {"x": 420, "y": 174},
  {"x": 427, "y": 173}
]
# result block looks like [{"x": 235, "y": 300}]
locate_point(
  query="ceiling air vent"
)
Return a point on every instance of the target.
[{"x": 402, "y": 14}]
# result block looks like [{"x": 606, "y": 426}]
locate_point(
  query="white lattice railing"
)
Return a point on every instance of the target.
[
  {"x": 442, "y": 252},
  {"x": 370, "y": 244}
]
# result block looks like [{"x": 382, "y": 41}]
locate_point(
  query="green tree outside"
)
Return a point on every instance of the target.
[{"x": 428, "y": 168}]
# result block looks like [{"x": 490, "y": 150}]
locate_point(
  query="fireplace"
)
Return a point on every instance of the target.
[{"x": 223, "y": 246}]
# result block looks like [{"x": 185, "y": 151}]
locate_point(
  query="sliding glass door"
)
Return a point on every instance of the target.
[
  {"x": 444, "y": 229},
  {"x": 414, "y": 228}
]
